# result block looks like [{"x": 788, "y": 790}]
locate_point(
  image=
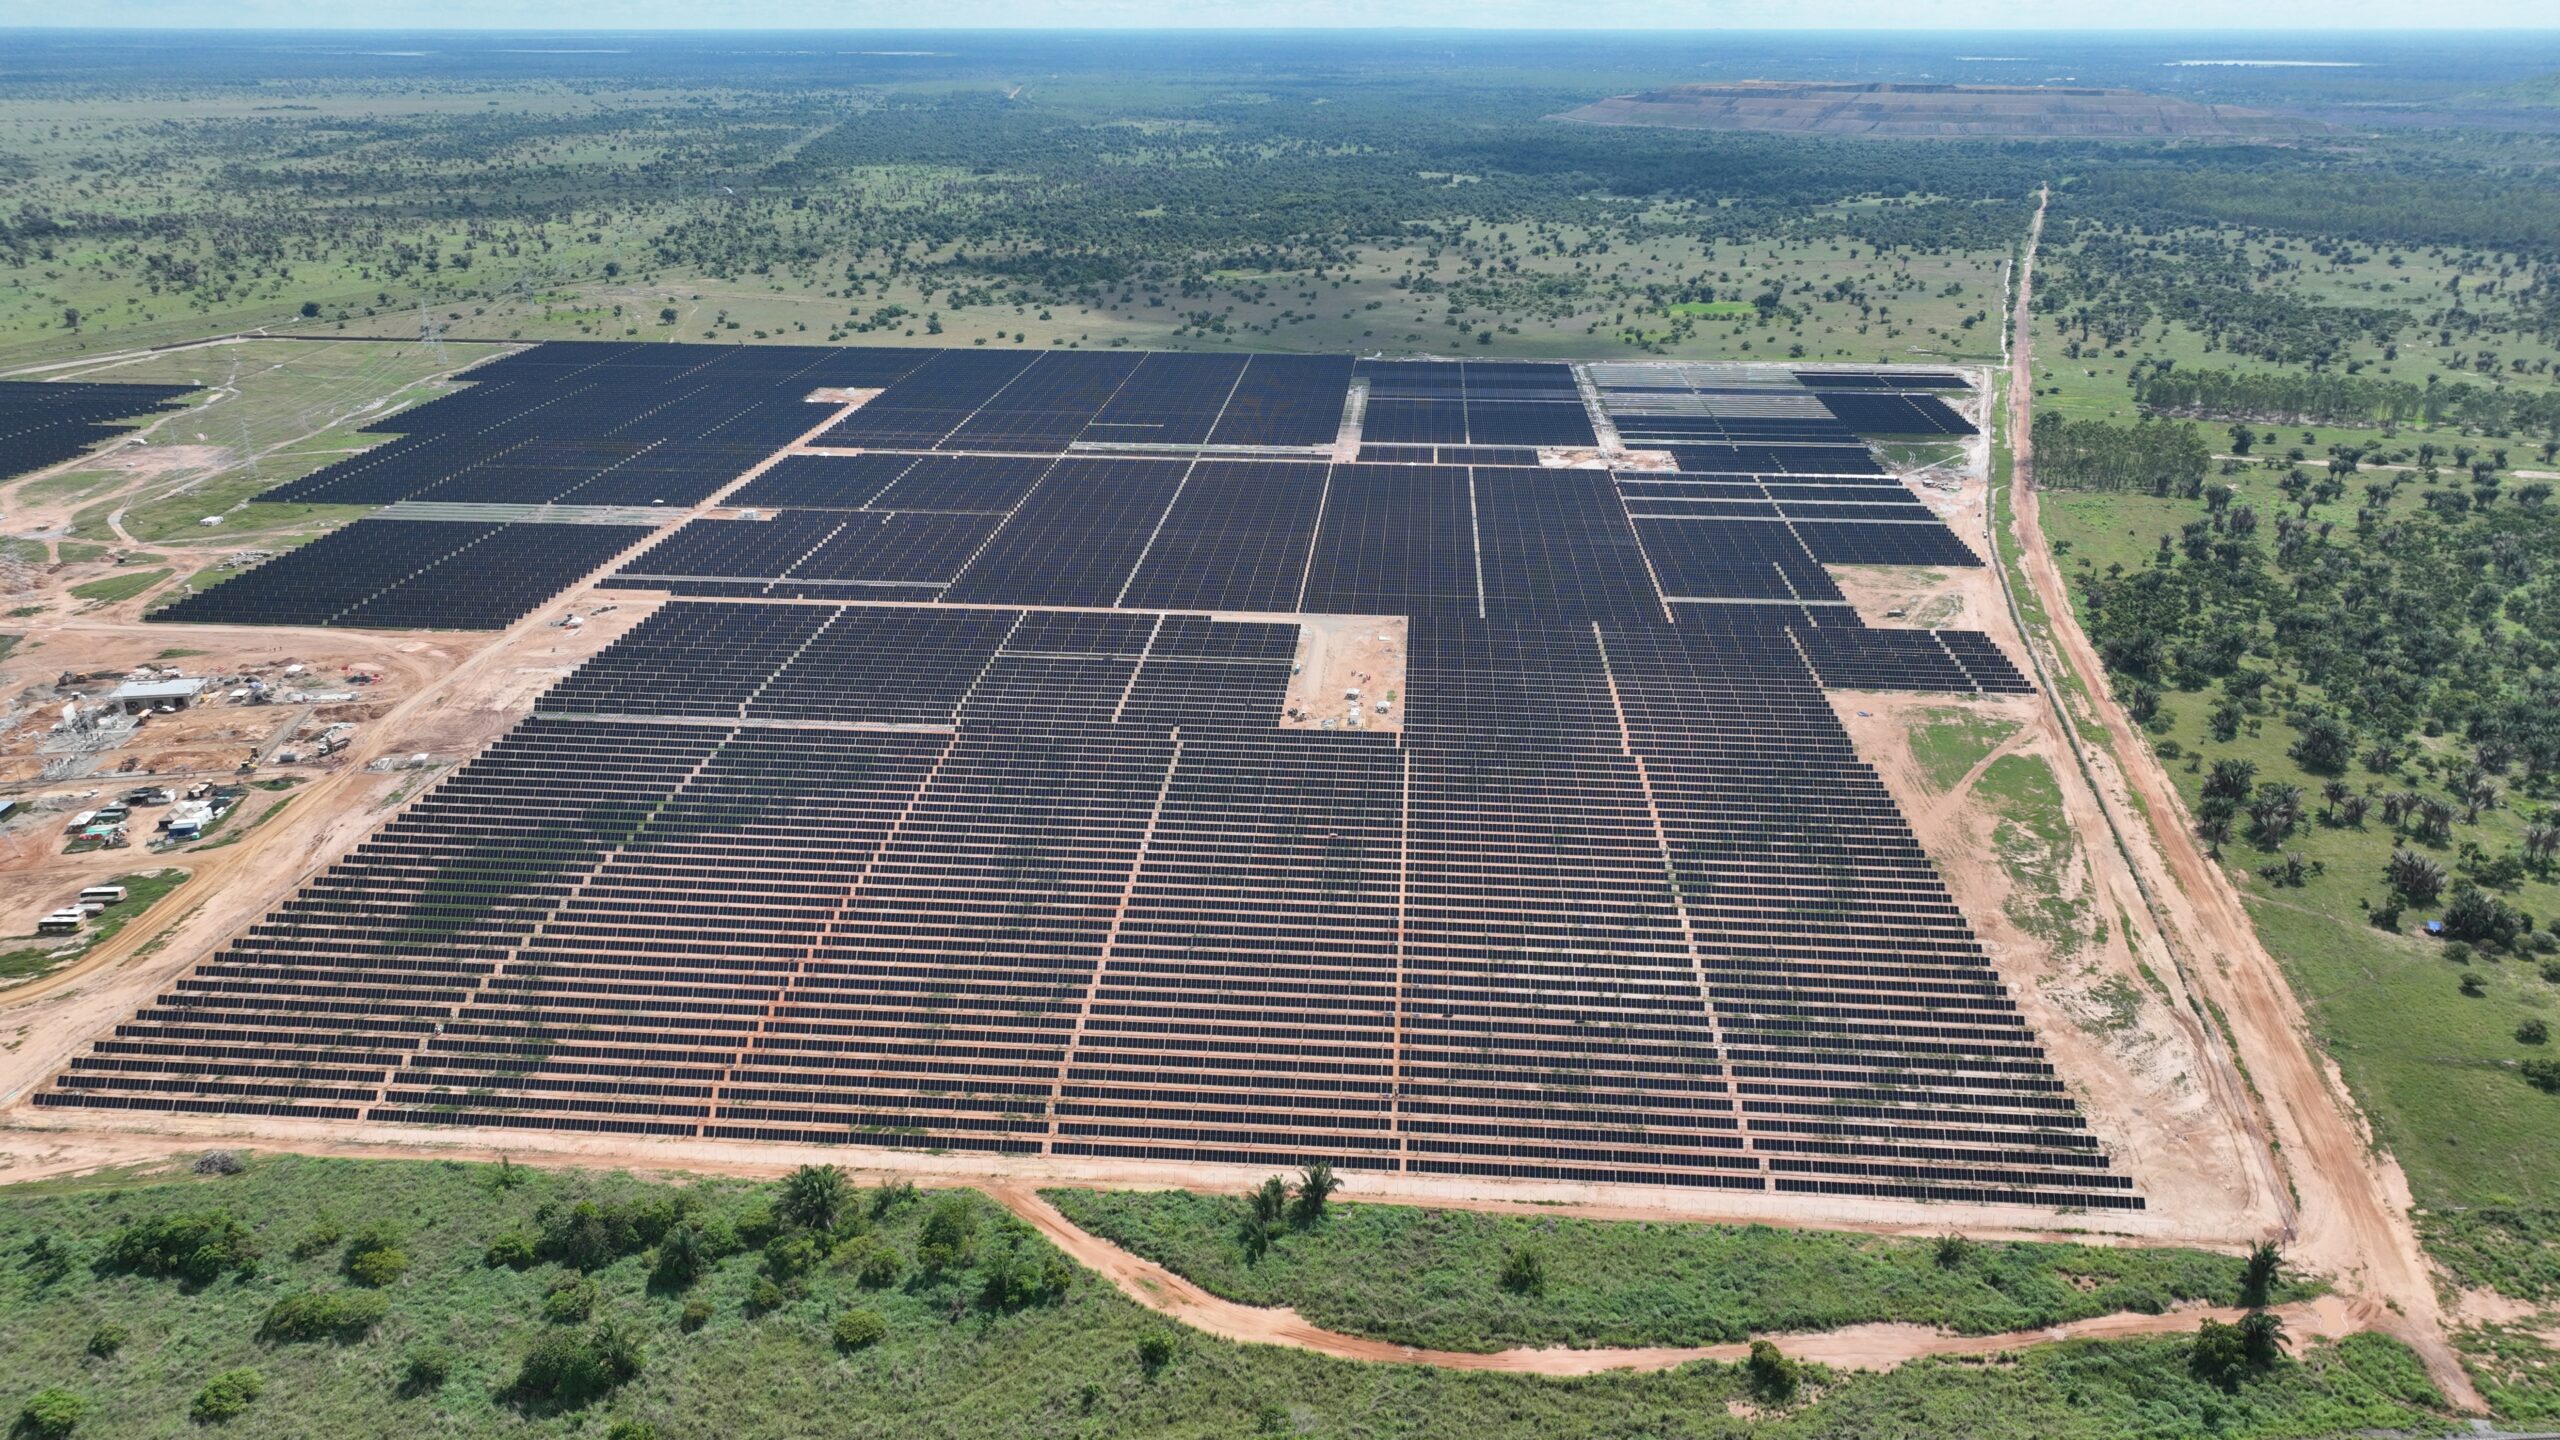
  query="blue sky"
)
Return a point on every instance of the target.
[{"x": 2067, "y": 15}]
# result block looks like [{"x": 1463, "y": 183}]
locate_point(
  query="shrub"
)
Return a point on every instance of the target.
[
  {"x": 1021, "y": 1275},
  {"x": 2542, "y": 1074},
  {"x": 2551, "y": 971},
  {"x": 573, "y": 1367},
  {"x": 1524, "y": 1271},
  {"x": 225, "y": 1396},
  {"x": 197, "y": 1248},
  {"x": 1774, "y": 1377},
  {"x": 1155, "y": 1351},
  {"x": 2533, "y": 1032},
  {"x": 107, "y": 1339},
  {"x": 571, "y": 1298},
  {"x": 950, "y": 1235},
  {"x": 317, "y": 1240},
  {"x": 515, "y": 1250},
  {"x": 1952, "y": 1250},
  {"x": 426, "y": 1369},
  {"x": 342, "y": 1315},
  {"x": 859, "y": 1330},
  {"x": 220, "y": 1162},
  {"x": 632, "y": 1430},
  {"x": 766, "y": 1297},
  {"x": 2475, "y": 985},
  {"x": 788, "y": 1257},
  {"x": 374, "y": 1256},
  {"x": 697, "y": 1313},
  {"x": 873, "y": 1262},
  {"x": 588, "y": 1234},
  {"x": 52, "y": 1413}
]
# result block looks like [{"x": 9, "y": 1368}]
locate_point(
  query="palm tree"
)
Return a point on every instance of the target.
[
  {"x": 2414, "y": 876},
  {"x": 1316, "y": 1184}
]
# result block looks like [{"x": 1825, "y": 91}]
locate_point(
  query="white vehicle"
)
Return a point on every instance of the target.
[{"x": 105, "y": 895}]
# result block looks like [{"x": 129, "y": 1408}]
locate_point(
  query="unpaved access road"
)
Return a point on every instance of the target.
[
  {"x": 1858, "y": 1347},
  {"x": 2352, "y": 1205}
]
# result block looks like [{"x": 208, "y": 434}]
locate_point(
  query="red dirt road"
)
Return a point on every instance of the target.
[{"x": 2352, "y": 1216}]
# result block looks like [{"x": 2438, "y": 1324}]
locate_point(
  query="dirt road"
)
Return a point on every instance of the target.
[{"x": 2352, "y": 1208}]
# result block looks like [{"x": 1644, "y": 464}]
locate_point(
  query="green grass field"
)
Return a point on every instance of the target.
[
  {"x": 445, "y": 1353},
  {"x": 118, "y": 587},
  {"x": 1434, "y": 1278}
]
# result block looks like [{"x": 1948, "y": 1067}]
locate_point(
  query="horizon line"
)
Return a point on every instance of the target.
[{"x": 2292, "y": 35}]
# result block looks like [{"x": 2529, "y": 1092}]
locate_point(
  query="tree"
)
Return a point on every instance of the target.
[
  {"x": 2229, "y": 779},
  {"x": 310, "y": 309},
  {"x": 2261, "y": 1273},
  {"x": 812, "y": 1197},
  {"x": 1155, "y": 1351},
  {"x": 2414, "y": 877},
  {"x": 1774, "y": 1377},
  {"x": 682, "y": 1258},
  {"x": 1316, "y": 1184},
  {"x": 2473, "y": 914},
  {"x": 2219, "y": 1355},
  {"x": 2262, "y": 1338},
  {"x": 1270, "y": 1202},
  {"x": 572, "y": 1367},
  {"x": 2324, "y": 744}
]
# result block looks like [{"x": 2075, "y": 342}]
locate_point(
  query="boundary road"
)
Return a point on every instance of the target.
[{"x": 2350, "y": 1211}]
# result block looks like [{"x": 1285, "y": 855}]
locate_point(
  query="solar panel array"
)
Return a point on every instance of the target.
[
  {"x": 1473, "y": 403},
  {"x": 594, "y": 423},
  {"x": 1036, "y": 868},
  {"x": 45, "y": 422},
  {"x": 411, "y": 575},
  {"x": 1045, "y": 402}
]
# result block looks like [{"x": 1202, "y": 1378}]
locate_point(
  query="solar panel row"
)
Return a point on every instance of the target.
[
  {"x": 47, "y": 422},
  {"x": 411, "y": 575}
]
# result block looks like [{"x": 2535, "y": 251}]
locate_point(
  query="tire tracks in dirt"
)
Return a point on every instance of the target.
[{"x": 2350, "y": 1199}]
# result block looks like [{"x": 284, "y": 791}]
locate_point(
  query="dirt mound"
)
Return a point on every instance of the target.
[{"x": 1934, "y": 112}]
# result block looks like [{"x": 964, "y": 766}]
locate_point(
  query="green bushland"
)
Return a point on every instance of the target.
[
  {"x": 462, "y": 1347},
  {"x": 1435, "y": 1278},
  {"x": 2373, "y": 645}
]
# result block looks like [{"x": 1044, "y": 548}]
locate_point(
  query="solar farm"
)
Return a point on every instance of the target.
[{"x": 1426, "y": 766}]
